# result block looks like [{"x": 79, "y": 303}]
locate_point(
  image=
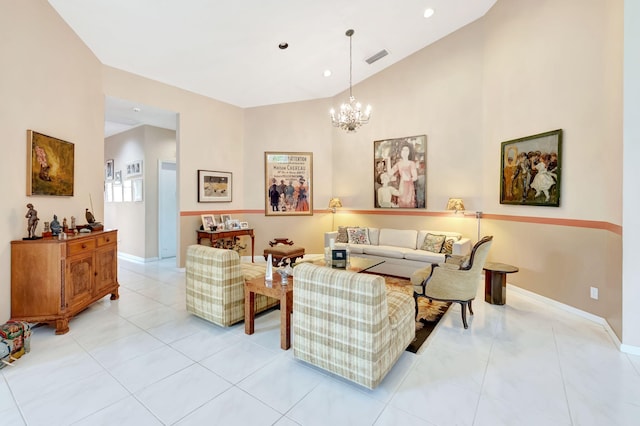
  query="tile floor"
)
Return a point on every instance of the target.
[{"x": 143, "y": 360}]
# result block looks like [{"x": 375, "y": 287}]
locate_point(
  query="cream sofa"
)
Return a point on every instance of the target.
[
  {"x": 348, "y": 323},
  {"x": 400, "y": 249},
  {"x": 215, "y": 284}
]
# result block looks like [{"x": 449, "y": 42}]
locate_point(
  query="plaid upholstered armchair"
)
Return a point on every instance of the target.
[
  {"x": 215, "y": 285},
  {"x": 348, "y": 324}
]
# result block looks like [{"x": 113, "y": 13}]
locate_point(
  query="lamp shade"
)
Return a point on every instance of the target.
[
  {"x": 334, "y": 203},
  {"x": 455, "y": 204}
]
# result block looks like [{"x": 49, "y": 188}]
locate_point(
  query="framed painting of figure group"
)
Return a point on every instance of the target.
[{"x": 530, "y": 170}]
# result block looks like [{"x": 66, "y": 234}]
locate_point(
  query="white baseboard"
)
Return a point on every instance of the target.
[
  {"x": 599, "y": 320},
  {"x": 132, "y": 258}
]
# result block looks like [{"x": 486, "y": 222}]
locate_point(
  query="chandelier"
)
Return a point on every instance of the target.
[{"x": 350, "y": 116}]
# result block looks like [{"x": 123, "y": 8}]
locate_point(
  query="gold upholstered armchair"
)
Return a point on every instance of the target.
[
  {"x": 348, "y": 323},
  {"x": 453, "y": 282},
  {"x": 215, "y": 284}
]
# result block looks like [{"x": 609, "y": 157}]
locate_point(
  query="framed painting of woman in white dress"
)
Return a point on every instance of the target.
[{"x": 400, "y": 173}]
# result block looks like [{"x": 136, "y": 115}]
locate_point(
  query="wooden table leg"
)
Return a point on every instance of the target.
[
  {"x": 495, "y": 284},
  {"x": 249, "y": 311},
  {"x": 286, "y": 305},
  {"x": 252, "y": 246}
]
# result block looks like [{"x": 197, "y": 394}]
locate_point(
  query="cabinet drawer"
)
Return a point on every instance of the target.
[
  {"x": 105, "y": 239},
  {"x": 81, "y": 247}
]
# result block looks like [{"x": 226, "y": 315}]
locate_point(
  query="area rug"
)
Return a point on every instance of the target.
[{"x": 429, "y": 313}]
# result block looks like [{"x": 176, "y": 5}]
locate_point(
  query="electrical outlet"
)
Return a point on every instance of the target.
[{"x": 594, "y": 293}]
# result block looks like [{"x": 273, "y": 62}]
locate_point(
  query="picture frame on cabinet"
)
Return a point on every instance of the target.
[{"x": 208, "y": 222}]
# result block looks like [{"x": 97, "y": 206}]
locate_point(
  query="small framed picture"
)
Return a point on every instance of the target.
[
  {"x": 214, "y": 186},
  {"x": 208, "y": 222},
  {"x": 225, "y": 218},
  {"x": 244, "y": 225},
  {"x": 118, "y": 177},
  {"x": 108, "y": 170},
  {"x": 133, "y": 168}
]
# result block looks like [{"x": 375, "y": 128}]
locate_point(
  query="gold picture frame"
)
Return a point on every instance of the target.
[
  {"x": 400, "y": 173},
  {"x": 50, "y": 165},
  {"x": 288, "y": 183}
]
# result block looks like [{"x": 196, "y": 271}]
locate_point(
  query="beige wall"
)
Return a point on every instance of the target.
[
  {"x": 51, "y": 83},
  {"x": 526, "y": 67}
]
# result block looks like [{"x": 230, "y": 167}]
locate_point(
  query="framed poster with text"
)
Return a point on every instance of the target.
[{"x": 288, "y": 183}]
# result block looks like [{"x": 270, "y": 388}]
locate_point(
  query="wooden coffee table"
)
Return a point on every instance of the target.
[{"x": 274, "y": 289}]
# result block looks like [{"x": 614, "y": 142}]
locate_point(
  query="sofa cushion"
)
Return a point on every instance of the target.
[
  {"x": 374, "y": 236},
  {"x": 398, "y": 238},
  {"x": 386, "y": 251},
  {"x": 358, "y": 235},
  {"x": 425, "y": 256},
  {"x": 433, "y": 242}
]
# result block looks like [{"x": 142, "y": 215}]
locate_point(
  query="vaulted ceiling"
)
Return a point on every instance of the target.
[{"x": 229, "y": 50}]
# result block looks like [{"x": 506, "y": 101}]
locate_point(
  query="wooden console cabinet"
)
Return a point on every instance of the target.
[{"x": 53, "y": 280}]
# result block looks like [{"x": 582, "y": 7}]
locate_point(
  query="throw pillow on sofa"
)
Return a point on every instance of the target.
[
  {"x": 447, "y": 247},
  {"x": 342, "y": 234},
  {"x": 358, "y": 236},
  {"x": 433, "y": 243}
]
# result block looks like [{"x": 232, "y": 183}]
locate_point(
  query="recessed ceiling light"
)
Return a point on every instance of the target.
[
  {"x": 136, "y": 109},
  {"x": 429, "y": 13},
  {"x": 283, "y": 45},
  {"x": 327, "y": 73}
]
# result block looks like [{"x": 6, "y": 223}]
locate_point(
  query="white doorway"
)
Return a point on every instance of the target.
[{"x": 167, "y": 209}]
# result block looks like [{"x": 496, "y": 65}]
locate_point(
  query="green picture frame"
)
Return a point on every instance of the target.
[{"x": 531, "y": 170}]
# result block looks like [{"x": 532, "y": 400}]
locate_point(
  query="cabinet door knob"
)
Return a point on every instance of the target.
[
  {"x": 84, "y": 246},
  {"x": 108, "y": 240}
]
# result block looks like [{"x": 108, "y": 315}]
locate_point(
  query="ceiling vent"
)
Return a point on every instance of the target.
[{"x": 381, "y": 54}]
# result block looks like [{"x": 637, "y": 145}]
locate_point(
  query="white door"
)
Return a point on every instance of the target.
[{"x": 167, "y": 209}]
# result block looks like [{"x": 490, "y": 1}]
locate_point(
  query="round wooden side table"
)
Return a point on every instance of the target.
[{"x": 495, "y": 282}]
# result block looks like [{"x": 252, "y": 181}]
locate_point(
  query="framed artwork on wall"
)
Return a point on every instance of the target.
[
  {"x": 214, "y": 186},
  {"x": 136, "y": 190},
  {"x": 288, "y": 183},
  {"x": 400, "y": 173},
  {"x": 530, "y": 170},
  {"x": 50, "y": 165},
  {"x": 117, "y": 177},
  {"x": 134, "y": 168},
  {"x": 108, "y": 170}
]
